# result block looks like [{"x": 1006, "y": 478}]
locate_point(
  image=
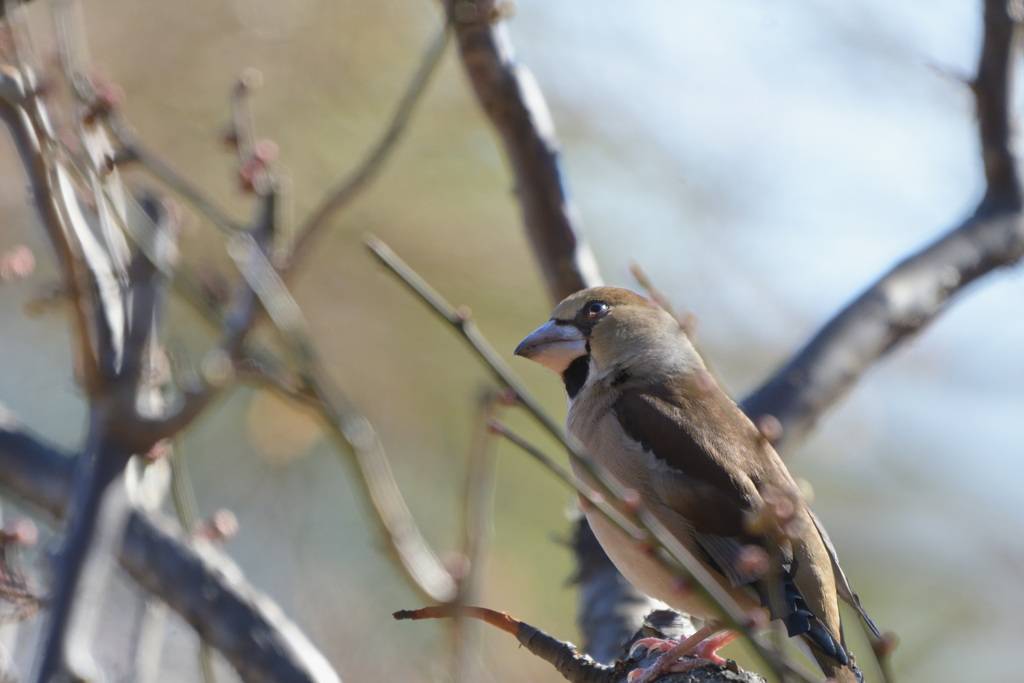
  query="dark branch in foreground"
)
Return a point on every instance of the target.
[
  {"x": 195, "y": 579},
  {"x": 563, "y": 656},
  {"x": 917, "y": 290},
  {"x": 579, "y": 668}
]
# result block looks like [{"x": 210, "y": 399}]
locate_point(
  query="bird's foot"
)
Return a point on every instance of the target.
[
  {"x": 652, "y": 645},
  {"x": 697, "y": 654}
]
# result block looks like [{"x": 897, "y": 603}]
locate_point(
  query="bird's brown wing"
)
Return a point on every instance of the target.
[
  {"x": 699, "y": 479},
  {"x": 705, "y": 447},
  {"x": 714, "y": 461}
]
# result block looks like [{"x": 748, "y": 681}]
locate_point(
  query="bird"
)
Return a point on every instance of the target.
[{"x": 647, "y": 411}]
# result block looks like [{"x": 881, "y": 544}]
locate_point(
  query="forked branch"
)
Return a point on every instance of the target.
[{"x": 918, "y": 289}]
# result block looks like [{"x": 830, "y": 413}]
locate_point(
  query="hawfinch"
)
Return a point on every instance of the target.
[{"x": 647, "y": 411}]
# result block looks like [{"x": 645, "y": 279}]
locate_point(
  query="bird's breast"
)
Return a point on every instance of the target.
[
  {"x": 642, "y": 569},
  {"x": 592, "y": 422}
]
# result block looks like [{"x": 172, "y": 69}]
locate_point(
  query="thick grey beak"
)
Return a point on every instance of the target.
[{"x": 554, "y": 345}]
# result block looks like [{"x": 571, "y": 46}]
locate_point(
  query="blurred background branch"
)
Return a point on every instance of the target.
[
  {"x": 349, "y": 187},
  {"x": 910, "y": 296},
  {"x": 515, "y": 106},
  {"x": 196, "y": 580}
]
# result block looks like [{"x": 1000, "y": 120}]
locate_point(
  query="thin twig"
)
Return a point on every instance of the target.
[
  {"x": 351, "y": 431},
  {"x": 349, "y": 428},
  {"x": 686, "y": 320},
  {"x": 133, "y": 149},
  {"x": 621, "y": 520},
  {"x": 563, "y": 656},
  {"x": 348, "y": 189},
  {"x": 355, "y": 435},
  {"x": 462, "y": 321},
  {"x": 256, "y": 361},
  {"x": 243, "y": 126}
]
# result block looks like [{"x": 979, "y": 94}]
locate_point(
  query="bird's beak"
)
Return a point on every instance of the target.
[{"x": 554, "y": 345}]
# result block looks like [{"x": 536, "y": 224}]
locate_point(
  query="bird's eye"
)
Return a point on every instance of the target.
[{"x": 595, "y": 309}]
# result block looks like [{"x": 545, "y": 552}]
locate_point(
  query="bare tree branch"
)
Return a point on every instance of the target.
[
  {"x": 511, "y": 98},
  {"x": 134, "y": 149},
  {"x": 196, "y": 580},
  {"x": 210, "y": 592},
  {"x": 917, "y": 290},
  {"x": 93, "y": 526},
  {"x": 125, "y": 318},
  {"x": 392, "y": 516},
  {"x": 123, "y": 324},
  {"x": 348, "y": 188},
  {"x": 563, "y": 656},
  {"x": 567, "y": 660},
  {"x": 350, "y": 429},
  {"x": 993, "y": 97}
]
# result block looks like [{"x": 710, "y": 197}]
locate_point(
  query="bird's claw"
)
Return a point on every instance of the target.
[
  {"x": 652, "y": 645},
  {"x": 676, "y": 666},
  {"x": 697, "y": 655}
]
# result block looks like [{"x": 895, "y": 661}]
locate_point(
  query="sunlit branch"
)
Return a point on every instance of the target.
[
  {"x": 20, "y": 109},
  {"x": 512, "y": 100}
]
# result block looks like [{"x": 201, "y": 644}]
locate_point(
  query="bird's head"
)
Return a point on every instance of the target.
[{"x": 612, "y": 329}]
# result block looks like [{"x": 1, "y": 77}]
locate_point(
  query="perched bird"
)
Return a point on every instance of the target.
[{"x": 645, "y": 408}]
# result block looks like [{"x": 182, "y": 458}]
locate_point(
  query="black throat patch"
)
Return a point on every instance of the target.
[{"x": 575, "y": 376}]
